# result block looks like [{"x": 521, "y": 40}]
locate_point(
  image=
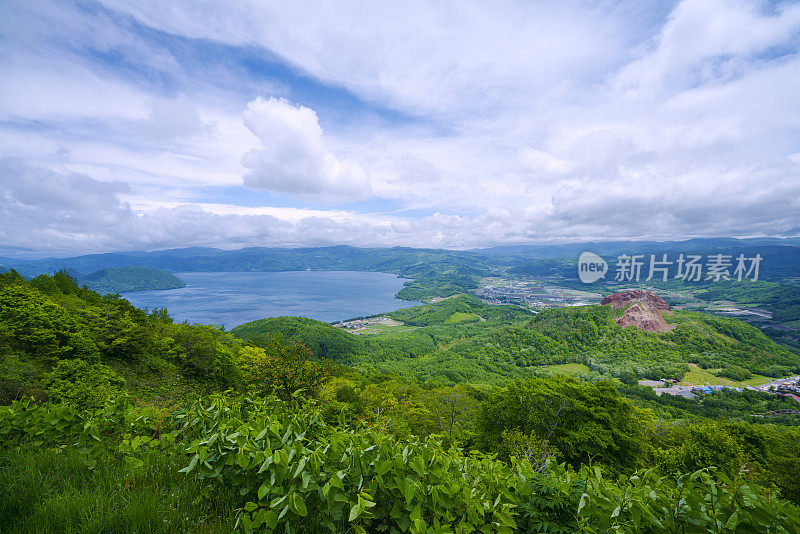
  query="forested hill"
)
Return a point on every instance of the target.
[
  {"x": 113, "y": 419},
  {"x": 462, "y": 339},
  {"x": 124, "y": 279}
]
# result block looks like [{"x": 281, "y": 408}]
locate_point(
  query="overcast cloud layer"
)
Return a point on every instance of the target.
[{"x": 152, "y": 124}]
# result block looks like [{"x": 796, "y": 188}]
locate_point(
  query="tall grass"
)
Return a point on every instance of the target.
[{"x": 48, "y": 491}]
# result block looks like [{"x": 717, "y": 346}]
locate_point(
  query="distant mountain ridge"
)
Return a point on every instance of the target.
[
  {"x": 435, "y": 272},
  {"x": 617, "y": 247},
  {"x": 258, "y": 259},
  {"x": 395, "y": 259}
]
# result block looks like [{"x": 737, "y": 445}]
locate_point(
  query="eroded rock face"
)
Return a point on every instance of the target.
[{"x": 643, "y": 309}]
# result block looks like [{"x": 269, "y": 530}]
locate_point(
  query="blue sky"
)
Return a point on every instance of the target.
[{"x": 148, "y": 125}]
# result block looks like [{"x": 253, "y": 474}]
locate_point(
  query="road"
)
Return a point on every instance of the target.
[
  {"x": 686, "y": 391},
  {"x": 777, "y": 382}
]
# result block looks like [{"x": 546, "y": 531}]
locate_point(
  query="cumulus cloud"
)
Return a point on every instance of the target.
[{"x": 293, "y": 157}]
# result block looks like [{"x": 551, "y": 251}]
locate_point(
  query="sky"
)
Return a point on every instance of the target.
[{"x": 144, "y": 125}]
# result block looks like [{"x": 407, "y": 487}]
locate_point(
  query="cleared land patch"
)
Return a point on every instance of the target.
[{"x": 566, "y": 368}]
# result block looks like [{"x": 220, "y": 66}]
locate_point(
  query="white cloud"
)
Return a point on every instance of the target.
[
  {"x": 72, "y": 212},
  {"x": 427, "y": 56},
  {"x": 706, "y": 40},
  {"x": 293, "y": 157},
  {"x": 174, "y": 118},
  {"x": 542, "y": 163},
  {"x": 514, "y": 121},
  {"x": 44, "y": 208}
]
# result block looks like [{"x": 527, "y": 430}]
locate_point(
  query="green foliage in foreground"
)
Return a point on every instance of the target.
[
  {"x": 283, "y": 468},
  {"x": 50, "y": 328},
  {"x": 53, "y": 491},
  {"x": 369, "y": 458}
]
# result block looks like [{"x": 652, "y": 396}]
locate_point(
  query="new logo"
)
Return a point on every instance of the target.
[{"x": 591, "y": 267}]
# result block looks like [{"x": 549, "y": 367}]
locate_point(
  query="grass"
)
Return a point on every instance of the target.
[
  {"x": 461, "y": 317},
  {"x": 757, "y": 380},
  {"x": 566, "y": 368},
  {"x": 44, "y": 491},
  {"x": 700, "y": 377},
  {"x": 379, "y": 328}
]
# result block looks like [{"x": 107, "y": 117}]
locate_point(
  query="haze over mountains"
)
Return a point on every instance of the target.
[{"x": 785, "y": 251}]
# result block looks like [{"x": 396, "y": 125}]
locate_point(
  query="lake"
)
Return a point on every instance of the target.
[{"x": 230, "y": 299}]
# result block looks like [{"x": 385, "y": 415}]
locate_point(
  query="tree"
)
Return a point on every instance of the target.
[
  {"x": 452, "y": 409},
  {"x": 39, "y": 328},
  {"x": 281, "y": 368},
  {"x": 207, "y": 353},
  {"x": 528, "y": 446},
  {"x": 583, "y": 422}
]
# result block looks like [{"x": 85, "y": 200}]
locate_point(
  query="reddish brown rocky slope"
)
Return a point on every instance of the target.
[{"x": 643, "y": 309}]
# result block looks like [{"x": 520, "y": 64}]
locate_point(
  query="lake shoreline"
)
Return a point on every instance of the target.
[{"x": 231, "y": 298}]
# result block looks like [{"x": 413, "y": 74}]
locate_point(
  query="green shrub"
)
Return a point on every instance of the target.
[
  {"x": 82, "y": 384},
  {"x": 207, "y": 353},
  {"x": 736, "y": 372},
  {"x": 285, "y": 469},
  {"x": 579, "y": 422},
  {"x": 46, "y": 331}
]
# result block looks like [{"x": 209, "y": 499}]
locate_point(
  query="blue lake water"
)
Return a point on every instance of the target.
[{"x": 231, "y": 299}]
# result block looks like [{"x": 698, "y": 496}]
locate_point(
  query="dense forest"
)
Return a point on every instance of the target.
[
  {"x": 115, "y": 419},
  {"x": 462, "y": 339},
  {"x": 124, "y": 279}
]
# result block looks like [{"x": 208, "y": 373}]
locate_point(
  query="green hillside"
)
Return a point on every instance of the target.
[
  {"x": 464, "y": 340},
  {"x": 117, "y": 420},
  {"x": 323, "y": 340},
  {"x": 124, "y": 279},
  {"x": 420, "y": 353}
]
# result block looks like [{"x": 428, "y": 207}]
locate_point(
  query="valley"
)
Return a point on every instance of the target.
[{"x": 491, "y": 371}]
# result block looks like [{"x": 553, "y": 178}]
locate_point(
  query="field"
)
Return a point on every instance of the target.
[
  {"x": 379, "y": 328},
  {"x": 701, "y": 377},
  {"x": 374, "y": 325},
  {"x": 566, "y": 368}
]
